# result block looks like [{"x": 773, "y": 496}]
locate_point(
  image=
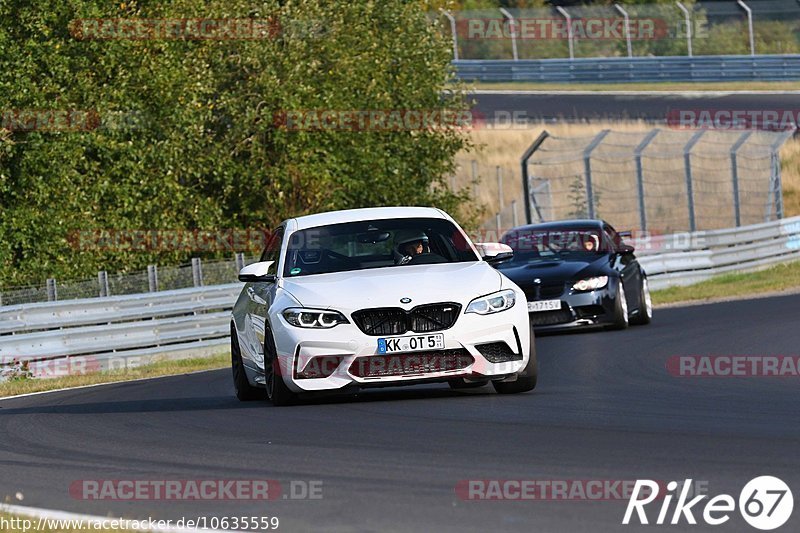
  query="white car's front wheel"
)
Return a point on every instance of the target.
[{"x": 277, "y": 391}]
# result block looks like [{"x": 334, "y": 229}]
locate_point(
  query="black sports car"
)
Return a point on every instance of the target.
[{"x": 572, "y": 271}]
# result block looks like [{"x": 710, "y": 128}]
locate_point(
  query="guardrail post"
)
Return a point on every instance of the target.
[
  {"x": 498, "y": 224},
  {"x": 513, "y": 26},
  {"x": 627, "y": 28},
  {"x": 570, "y": 36},
  {"x": 52, "y": 291},
  {"x": 152, "y": 278},
  {"x": 688, "y": 18},
  {"x": 1, "y": 299},
  {"x": 197, "y": 272},
  {"x": 514, "y": 220},
  {"x": 526, "y": 186},
  {"x": 102, "y": 280},
  {"x": 500, "y": 187},
  {"x": 687, "y": 164},
  {"x": 637, "y": 156},
  {"x": 587, "y": 166},
  {"x": 452, "y": 20},
  {"x": 735, "y": 176},
  {"x": 239, "y": 258}
]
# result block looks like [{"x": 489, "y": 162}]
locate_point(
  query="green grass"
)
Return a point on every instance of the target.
[
  {"x": 774, "y": 279},
  {"x": 654, "y": 86},
  {"x": 24, "y": 385}
]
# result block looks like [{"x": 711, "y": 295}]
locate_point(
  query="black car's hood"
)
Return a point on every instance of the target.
[{"x": 556, "y": 270}]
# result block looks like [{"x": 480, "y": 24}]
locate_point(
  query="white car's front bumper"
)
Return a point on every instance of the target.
[{"x": 462, "y": 357}]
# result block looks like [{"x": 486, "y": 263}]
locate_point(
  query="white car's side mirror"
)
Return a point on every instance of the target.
[
  {"x": 257, "y": 272},
  {"x": 494, "y": 252}
]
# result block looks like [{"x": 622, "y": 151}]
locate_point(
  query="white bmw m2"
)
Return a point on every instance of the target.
[{"x": 378, "y": 297}]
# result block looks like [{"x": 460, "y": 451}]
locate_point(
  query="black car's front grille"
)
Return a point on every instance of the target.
[
  {"x": 396, "y": 321},
  {"x": 548, "y": 318},
  {"x": 497, "y": 352},
  {"x": 546, "y": 291}
]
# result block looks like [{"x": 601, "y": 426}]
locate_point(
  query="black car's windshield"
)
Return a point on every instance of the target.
[
  {"x": 533, "y": 245},
  {"x": 374, "y": 244}
]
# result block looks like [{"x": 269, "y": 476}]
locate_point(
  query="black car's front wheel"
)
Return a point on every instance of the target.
[
  {"x": 526, "y": 379},
  {"x": 644, "y": 313},
  {"x": 620, "y": 320},
  {"x": 244, "y": 391}
]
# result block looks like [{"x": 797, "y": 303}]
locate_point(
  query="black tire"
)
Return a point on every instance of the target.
[
  {"x": 621, "y": 319},
  {"x": 277, "y": 390},
  {"x": 460, "y": 384},
  {"x": 645, "y": 306},
  {"x": 245, "y": 392},
  {"x": 526, "y": 379}
]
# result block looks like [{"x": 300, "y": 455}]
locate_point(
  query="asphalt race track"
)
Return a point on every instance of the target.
[
  {"x": 389, "y": 460},
  {"x": 498, "y": 106}
]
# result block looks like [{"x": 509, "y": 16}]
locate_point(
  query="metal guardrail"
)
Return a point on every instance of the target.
[
  {"x": 55, "y": 338},
  {"x": 633, "y": 69},
  {"x": 683, "y": 259}
]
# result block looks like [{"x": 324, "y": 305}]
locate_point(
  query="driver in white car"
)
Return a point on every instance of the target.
[{"x": 407, "y": 244}]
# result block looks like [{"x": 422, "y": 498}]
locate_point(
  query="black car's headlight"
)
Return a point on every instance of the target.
[
  {"x": 590, "y": 284},
  {"x": 313, "y": 318},
  {"x": 492, "y": 303}
]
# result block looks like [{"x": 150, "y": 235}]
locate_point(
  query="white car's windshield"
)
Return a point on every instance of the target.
[{"x": 374, "y": 244}]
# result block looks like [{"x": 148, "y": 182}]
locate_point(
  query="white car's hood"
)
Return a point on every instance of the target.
[{"x": 384, "y": 287}]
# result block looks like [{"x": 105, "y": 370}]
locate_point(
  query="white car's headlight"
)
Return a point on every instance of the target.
[
  {"x": 313, "y": 318},
  {"x": 590, "y": 284},
  {"x": 492, "y": 303}
]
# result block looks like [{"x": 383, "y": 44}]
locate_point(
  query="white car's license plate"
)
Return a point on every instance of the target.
[
  {"x": 544, "y": 305},
  {"x": 411, "y": 343}
]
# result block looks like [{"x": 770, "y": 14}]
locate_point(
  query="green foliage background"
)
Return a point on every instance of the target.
[{"x": 197, "y": 148}]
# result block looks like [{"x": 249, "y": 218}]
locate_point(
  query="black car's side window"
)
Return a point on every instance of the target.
[
  {"x": 273, "y": 250},
  {"x": 613, "y": 237}
]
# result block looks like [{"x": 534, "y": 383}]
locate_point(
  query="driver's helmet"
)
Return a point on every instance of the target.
[
  {"x": 403, "y": 237},
  {"x": 594, "y": 239}
]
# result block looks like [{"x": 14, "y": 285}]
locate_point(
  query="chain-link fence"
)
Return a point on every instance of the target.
[
  {"x": 668, "y": 29},
  {"x": 155, "y": 278},
  {"x": 658, "y": 180}
]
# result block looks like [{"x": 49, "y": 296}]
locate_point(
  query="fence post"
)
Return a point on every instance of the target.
[
  {"x": 587, "y": 166},
  {"x": 152, "y": 278},
  {"x": 526, "y": 186},
  {"x": 239, "y": 257},
  {"x": 102, "y": 280},
  {"x": 777, "y": 186},
  {"x": 500, "y": 187},
  {"x": 637, "y": 154},
  {"x": 474, "y": 180},
  {"x": 514, "y": 216},
  {"x": 749, "y": 25},
  {"x": 513, "y": 24},
  {"x": 687, "y": 17},
  {"x": 627, "y": 28},
  {"x": 452, "y": 20},
  {"x": 498, "y": 224},
  {"x": 570, "y": 36},
  {"x": 52, "y": 291},
  {"x": 735, "y": 176},
  {"x": 197, "y": 272},
  {"x": 687, "y": 165},
  {"x": 1, "y": 299}
]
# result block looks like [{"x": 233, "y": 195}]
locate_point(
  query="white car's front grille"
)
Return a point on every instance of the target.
[{"x": 396, "y": 321}]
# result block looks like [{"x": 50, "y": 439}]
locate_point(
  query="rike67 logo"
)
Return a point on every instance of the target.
[{"x": 765, "y": 503}]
